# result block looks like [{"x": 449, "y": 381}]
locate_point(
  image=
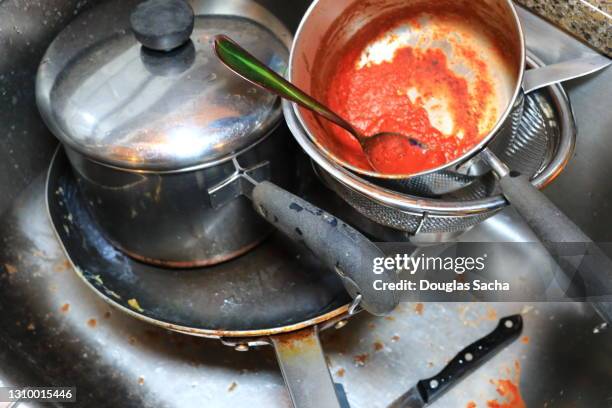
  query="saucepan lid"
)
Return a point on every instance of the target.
[{"x": 137, "y": 86}]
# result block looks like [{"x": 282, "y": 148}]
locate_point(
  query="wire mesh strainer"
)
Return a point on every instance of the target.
[{"x": 540, "y": 145}]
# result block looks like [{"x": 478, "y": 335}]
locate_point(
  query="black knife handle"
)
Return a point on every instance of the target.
[{"x": 470, "y": 358}]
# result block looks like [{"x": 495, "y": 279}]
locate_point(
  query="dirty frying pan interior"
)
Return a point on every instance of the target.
[
  {"x": 275, "y": 287},
  {"x": 455, "y": 48}
]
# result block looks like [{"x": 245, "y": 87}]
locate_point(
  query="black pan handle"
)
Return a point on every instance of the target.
[
  {"x": 470, "y": 358},
  {"x": 556, "y": 230},
  {"x": 339, "y": 246}
]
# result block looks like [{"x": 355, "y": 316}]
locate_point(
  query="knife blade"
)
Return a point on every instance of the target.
[{"x": 563, "y": 71}]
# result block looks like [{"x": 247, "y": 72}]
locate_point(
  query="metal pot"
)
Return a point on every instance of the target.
[
  {"x": 180, "y": 162},
  {"x": 159, "y": 145}
]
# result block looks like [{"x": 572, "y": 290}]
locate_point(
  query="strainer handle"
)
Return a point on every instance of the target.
[{"x": 559, "y": 235}]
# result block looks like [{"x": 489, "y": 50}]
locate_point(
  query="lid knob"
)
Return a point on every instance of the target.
[{"x": 162, "y": 25}]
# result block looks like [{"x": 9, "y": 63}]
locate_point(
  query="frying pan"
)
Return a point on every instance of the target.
[{"x": 278, "y": 294}]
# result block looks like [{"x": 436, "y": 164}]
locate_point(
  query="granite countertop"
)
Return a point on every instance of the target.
[{"x": 588, "y": 20}]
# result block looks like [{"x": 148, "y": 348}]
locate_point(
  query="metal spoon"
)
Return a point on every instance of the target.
[{"x": 250, "y": 68}]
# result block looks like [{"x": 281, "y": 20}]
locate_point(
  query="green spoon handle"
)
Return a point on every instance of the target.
[{"x": 250, "y": 68}]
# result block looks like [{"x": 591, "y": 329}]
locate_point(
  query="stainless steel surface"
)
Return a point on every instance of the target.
[
  {"x": 411, "y": 399},
  {"x": 26, "y": 29},
  {"x": 117, "y": 361},
  {"x": 563, "y": 71},
  {"x": 497, "y": 165},
  {"x": 104, "y": 95},
  {"x": 304, "y": 368},
  {"x": 133, "y": 364},
  {"x": 186, "y": 219},
  {"x": 328, "y": 26}
]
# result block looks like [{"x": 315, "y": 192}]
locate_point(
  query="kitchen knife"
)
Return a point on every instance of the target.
[{"x": 465, "y": 362}]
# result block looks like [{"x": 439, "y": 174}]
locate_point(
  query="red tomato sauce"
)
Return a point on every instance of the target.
[
  {"x": 375, "y": 98},
  {"x": 510, "y": 391}
]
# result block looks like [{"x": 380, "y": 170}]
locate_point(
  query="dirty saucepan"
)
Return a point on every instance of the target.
[{"x": 450, "y": 74}]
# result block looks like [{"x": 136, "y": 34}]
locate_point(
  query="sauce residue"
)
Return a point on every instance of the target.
[
  {"x": 413, "y": 90},
  {"x": 418, "y": 308},
  {"x": 360, "y": 360},
  {"x": 509, "y": 391}
]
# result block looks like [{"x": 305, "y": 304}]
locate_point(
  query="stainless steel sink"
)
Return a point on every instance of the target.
[{"x": 53, "y": 331}]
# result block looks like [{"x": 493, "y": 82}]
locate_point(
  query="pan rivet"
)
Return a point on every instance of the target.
[
  {"x": 242, "y": 347},
  {"x": 340, "y": 324}
]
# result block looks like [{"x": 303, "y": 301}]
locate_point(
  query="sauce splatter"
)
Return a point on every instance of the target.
[
  {"x": 509, "y": 392},
  {"x": 378, "y": 346},
  {"x": 340, "y": 372},
  {"x": 525, "y": 340},
  {"x": 92, "y": 323},
  {"x": 418, "y": 308},
  {"x": 471, "y": 404},
  {"x": 415, "y": 91},
  {"x": 360, "y": 360},
  {"x": 65, "y": 308}
]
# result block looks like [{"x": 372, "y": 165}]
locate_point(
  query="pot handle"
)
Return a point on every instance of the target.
[
  {"x": 304, "y": 369},
  {"x": 556, "y": 230},
  {"x": 338, "y": 245},
  {"x": 563, "y": 71}
]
